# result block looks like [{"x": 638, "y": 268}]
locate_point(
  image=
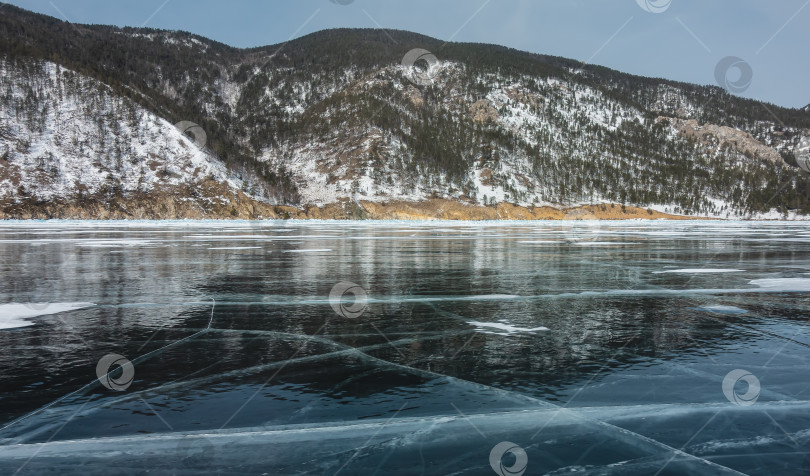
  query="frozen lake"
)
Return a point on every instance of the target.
[{"x": 629, "y": 348}]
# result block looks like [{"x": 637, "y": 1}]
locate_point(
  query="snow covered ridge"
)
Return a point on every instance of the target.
[{"x": 63, "y": 135}]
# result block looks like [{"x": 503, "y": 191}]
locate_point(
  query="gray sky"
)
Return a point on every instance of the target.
[{"x": 675, "y": 39}]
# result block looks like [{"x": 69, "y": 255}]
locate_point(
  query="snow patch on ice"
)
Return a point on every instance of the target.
[
  {"x": 14, "y": 315},
  {"x": 783, "y": 284},
  {"x": 111, "y": 243},
  {"x": 722, "y": 309},
  {"x": 508, "y": 329},
  {"x": 321, "y": 250},
  {"x": 237, "y": 248},
  {"x": 700, "y": 270}
]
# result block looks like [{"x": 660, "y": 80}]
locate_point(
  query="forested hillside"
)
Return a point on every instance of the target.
[{"x": 88, "y": 111}]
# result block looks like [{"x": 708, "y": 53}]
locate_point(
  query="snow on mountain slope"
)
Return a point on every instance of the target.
[
  {"x": 64, "y": 135},
  {"x": 334, "y": 118},
  {"x": 521, "y": 139}
]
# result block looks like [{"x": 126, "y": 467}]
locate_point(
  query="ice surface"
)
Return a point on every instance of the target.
[
  {"x": 439, "y": 445},
  {"x": 589, "y": 358}
]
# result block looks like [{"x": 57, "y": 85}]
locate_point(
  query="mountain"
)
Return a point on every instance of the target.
[{"x": 333, "y": 125}]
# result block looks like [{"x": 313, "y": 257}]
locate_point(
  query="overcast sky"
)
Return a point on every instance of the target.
[{"x": 676, "y": 39}]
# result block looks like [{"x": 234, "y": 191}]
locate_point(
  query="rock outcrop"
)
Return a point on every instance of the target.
[
  {"x": 721, "y": 136},
  {"x": 482, "y": 112}
]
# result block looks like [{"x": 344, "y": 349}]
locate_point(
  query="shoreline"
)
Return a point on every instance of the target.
[
  {"x": 217, "y": 202},
  {"x": 428, "y": 210},
  {"x": 238, "y": 206},
  {"x": 211, "y": 200}
]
